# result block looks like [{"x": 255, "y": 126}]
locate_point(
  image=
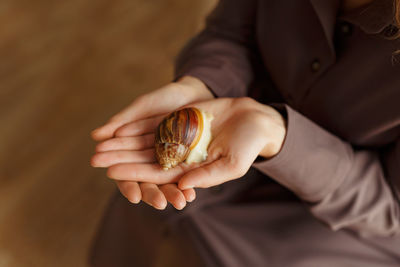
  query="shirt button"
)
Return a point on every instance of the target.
[
  {"x": 315, "y": 65},
  {"x": 346, "y": 28},
  {"x": 390, "y": 31}
]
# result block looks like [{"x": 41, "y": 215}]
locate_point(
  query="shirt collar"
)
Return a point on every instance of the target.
[
  {"x": 372, "y": 18},
  {"x": 327, "y": 12}
]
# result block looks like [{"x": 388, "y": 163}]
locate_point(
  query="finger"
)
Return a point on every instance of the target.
[
  {"x": 106, "y": 131},
  {"x": 155, "y": 103},
  {"x": 153, "y": 196},
  {"x": 130, "y": 190},
  {"x": 127, "y": 143},
  {"x": 140, "y": 127},
  {"x": 215, "y": 173},
  {"x": 126, "y": 115},
  {"x": 109, "y": 158},
  {"x": 142, "y": 172},
  {"x": 174, "y": 195},
  {"x": 214, "y": 106},
  {"x": 161, "y": 101},
  {"x": 190, "y": 194}
]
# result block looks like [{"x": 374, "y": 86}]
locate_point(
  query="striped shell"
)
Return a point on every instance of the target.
[{"x": 176, "y": 135}]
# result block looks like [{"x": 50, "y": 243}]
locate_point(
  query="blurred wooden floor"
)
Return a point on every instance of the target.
[{"x": 65, "y": 68}]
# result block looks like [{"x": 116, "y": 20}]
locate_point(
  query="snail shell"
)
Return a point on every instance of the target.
[{"x": 183, "y": 135}]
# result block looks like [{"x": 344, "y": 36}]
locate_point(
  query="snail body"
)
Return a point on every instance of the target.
[{"x": 183, "y": 135}]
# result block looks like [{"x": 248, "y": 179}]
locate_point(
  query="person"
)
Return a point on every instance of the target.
[{"x": 303, "y": 168}]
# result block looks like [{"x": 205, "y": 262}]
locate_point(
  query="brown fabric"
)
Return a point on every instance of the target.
[
  {"x": 139, "y": 235},
  {"x": 374, "y": 17},
  {"x": 333, "y": 75},
  {"x": 343, "y": 116}
]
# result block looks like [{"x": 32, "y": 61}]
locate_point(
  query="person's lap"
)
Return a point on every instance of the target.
[{"x": 248, "y": 222}]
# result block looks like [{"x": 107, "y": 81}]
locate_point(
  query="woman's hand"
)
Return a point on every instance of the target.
[
  {"x": 132, "y": 139},
  {"x": 149, "y": 107},
  {"x": 242, "y": 129}
]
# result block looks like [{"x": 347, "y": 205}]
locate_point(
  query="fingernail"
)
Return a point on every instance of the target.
[
  {"x": 93, "y": 133},
  {"x": 180, "y": 205},
  {"x": 99, "y": 147},
  {"x": 134, "y": 201},
  {"x": 183, "y": 186},
  {"x": 93, "y": 162},
  {"x": 188, "y": 186},
  {"x": 160, "y": 207}
]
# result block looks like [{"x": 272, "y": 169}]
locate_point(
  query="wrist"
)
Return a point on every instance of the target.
[
  {"x": 275, "y": 132},
  {"x": 197, "y": 89},
  {"x": 270, "y": 123}
]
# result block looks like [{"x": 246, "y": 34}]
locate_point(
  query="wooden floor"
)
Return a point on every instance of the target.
[{"x": 65, "y": 68}]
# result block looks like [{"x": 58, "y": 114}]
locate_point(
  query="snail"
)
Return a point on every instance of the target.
[{"x": 183, "y": 135}]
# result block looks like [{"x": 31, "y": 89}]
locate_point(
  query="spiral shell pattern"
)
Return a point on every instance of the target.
[{"x": 176, "y": 135}]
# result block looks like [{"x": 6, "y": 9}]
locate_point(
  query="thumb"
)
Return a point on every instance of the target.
[
  {"x": 161, "y": 101},
  {"x": 214, "y": 173},
  {"x": 107, "y": 130}
]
